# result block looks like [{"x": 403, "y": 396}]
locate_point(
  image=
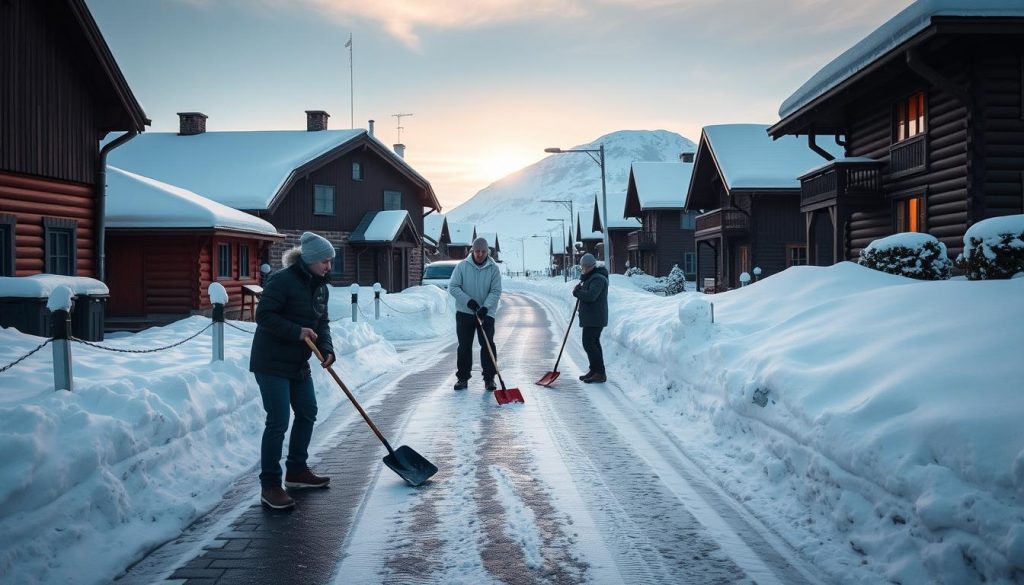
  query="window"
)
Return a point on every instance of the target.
[
  {"x": 223, "y": 260},
  {"x": 910, "y": 214},
  {"x": 689, "y": 220},
  {"x": 323, "y": 200},
  {"x": 357, "y": 171},
  {"x": 690, "y": 263},
  {"x": 796, "y": 255},
  {"x": 243, "y": 261},
  {"x": 392, "y": 200},
  {"x": 7, "y": 245},
  {"x": 61, "y": 251},
  {"x": 910, "y": 117},
  {"x": 338, "y": 265}
]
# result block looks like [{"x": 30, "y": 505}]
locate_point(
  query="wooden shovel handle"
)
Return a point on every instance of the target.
[
  {"x": 566, "y": 338},
  {"x": 490, "y": 351},
  {"x": 366, "y": 417}
]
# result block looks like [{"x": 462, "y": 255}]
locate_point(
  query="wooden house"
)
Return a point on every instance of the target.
[
  {"x": 325, "y": 181},
  {"x": 656, "y": 194},
  {"x": 619, "y": 228},
  {"x": 61, "y": 92},
  {"x": 166, "y": 245},
  {"x": 931, "y": 110},
  {"x": 462, "y": 236},
  {"x": 745, "y": 186},
  {"x": 436, "y": 237}
]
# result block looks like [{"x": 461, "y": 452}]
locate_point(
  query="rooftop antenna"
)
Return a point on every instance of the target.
[{"x": 400, "y": 116}]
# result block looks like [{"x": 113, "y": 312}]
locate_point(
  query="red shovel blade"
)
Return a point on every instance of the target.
[
  {"x": 549, "y": 378},
  {"x": 506, "y": 395}
]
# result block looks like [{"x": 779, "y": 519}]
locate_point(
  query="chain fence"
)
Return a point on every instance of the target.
[
  {"x": 153, "y": 350},
  {"x": 22, "y": 358}
]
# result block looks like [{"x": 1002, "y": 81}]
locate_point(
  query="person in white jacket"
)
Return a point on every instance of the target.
[{"x": 476, "y": 286}]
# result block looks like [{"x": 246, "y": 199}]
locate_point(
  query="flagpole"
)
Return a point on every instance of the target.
[{"x": 351, "y": 83}]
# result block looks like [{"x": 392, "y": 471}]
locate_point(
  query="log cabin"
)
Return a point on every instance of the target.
[{"x": 656, "y": 195}]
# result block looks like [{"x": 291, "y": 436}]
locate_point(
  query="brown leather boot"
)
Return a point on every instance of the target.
[
  {"x": 305, "y": 479},
  {"x": 275, "y": 497}
]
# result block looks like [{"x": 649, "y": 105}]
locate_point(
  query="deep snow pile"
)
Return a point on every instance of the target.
[
  {"x": 890, "y": 445},
  {"x": 146, "y": 443}
]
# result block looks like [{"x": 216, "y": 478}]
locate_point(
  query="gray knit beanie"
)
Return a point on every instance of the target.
[
  {"x": 315, "y": 248},
  {"x": 588, "y": 260}
]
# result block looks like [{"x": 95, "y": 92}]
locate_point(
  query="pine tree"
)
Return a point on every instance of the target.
[{"x": 675, "y": 282}]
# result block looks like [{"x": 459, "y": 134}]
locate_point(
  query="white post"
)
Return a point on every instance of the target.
[
  {"x": 354, "y": 289},
  {"x": 376, "y": 301},
  {"x": 63, "y": 377}
]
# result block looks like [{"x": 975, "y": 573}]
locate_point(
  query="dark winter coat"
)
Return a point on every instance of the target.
[
  {"x": 592, "y": 291},
  {"x": 293, "y": 298}
]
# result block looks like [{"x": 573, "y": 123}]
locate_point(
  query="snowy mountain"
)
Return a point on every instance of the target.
[{"x": 512, "y": 206}]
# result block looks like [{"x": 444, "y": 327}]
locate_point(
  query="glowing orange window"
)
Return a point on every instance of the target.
[{"x": 910, "y": 117}]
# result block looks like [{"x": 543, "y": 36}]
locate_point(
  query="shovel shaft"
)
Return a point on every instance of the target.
[
  {"x": 490, "y": 351},
  {"x": 348, "y": 393},
  {"x": 566, "y": 338}
]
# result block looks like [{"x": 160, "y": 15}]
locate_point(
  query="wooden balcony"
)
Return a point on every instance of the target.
[
  {"x": 909, "y": 156},
  {"x": 855, "y": 181},
  {"x": 641, "y": 240},
  {"x": 722, "y": 222}
]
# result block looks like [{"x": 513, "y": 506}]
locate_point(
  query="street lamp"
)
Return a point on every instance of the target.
[
  {"x": 522, "y": 242},
  {"x": 604, "y": 192},
  {"x": 565, "y": 277},
  {"x": 549, "y": 249},
  {"x": 568, "y": 204}
]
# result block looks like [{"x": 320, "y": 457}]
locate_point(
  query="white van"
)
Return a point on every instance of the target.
[{"x": 439, "y": 273}]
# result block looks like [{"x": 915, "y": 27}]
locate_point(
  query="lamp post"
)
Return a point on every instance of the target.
[
  {"x": 522, "y": 242},
  {"x": 568, "y": 204},
  {"x": 599, "y": 159},
  {"x": 565, "y": 277},
  {"x": 549, "y": 249}
]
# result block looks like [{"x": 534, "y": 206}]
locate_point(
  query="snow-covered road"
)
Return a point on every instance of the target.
[{"x": 574, "y": 486}]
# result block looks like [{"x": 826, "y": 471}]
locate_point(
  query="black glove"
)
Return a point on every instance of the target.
[
  {"x": 481, "y": 312},
  {"x": 576, "y": 289},
  {"x": 473, "y": 305}
]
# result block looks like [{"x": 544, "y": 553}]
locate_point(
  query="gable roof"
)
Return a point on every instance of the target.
[
  {"x": 249, "y": 170},
  {"x": 617, "y": 220},
  {"x": 137, "y": 202},
  {"x": 590, "y": 235},
  {"x": 381, "y": 227},
  {"x": 462, "y": 233},
  {"x": 657, "y": 185},
  {"x": 886, "y": 43},
  {"x": 435, "y": 228}
]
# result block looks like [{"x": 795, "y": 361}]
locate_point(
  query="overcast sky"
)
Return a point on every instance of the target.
[{"x": 490, "y": 83}]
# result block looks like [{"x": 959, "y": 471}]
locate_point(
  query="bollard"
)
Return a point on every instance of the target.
[
  {"x": 63, "y": 377},
  {"x": 712, "y": 312},
  {"x": 218, "y": 332},
  {"x": 376, "y": 301},
  {"x": 354, "y": 289}
]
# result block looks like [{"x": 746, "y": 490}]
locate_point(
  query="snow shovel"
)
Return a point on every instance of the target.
[
  {"x": 408, "y": 464},
  {"x": 505, "y": 395},
  {"x": 550, "y": 377}
]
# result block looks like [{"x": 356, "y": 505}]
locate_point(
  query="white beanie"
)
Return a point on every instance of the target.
[{"x": 315, "y": 248}]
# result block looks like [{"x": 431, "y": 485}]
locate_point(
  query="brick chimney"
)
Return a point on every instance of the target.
[
  {"x": 400, "y": 150},
  {"x": 371, "y": 127},
  {"x": 686, "y": 157},
  {"x": 191, "y": 123},
  {"x": 316, "y": 120}
]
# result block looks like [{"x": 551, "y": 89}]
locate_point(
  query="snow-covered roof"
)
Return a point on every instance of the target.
[
  {"x": 384, "y": 227},
  {"x": 617, "y": 205},
  {"x": 433, "y": 226},
  {"x": 661, "y": 185},
  {"x": 461, "y": 233},
  {"x": 748, "y": 158},
  {"x": 40, "y": 286},
  {"x": 583, "y": 230},
  {"x": 134, "y": 201},
  {"x": 890, "y": 35}
]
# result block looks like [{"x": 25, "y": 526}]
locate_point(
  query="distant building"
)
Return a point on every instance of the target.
[{"x": 656, "y": 195}]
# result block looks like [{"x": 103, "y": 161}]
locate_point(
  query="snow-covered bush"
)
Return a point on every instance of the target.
[
  {"x": 911, "y": 254},
  {"x": 994, "y": 248},
  {"x": 675, "y": 282},
  {"x": 634, "y": 271}
]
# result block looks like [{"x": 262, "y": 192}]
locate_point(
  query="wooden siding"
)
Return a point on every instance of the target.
[
  {"x": 672, "y": 242},
  {"x": 49, "y": 115},
  {"x": 31, "y": 200},
  {"x": 776, "y": 221},
  {"x": 999, "y": 82}
]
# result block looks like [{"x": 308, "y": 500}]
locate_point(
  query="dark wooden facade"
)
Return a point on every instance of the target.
[
  {"x": 965, "y": 166},
  {"x": 162, "y": 275},
  {"x": 61, "y": 92},
  {"x": 666, "y": 236}
]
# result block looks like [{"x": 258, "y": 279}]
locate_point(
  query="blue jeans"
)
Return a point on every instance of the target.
[{"x": 280, "y": 397}]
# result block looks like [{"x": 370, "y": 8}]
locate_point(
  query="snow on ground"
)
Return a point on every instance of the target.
[
  {"x": 889, "y": 445},
  {"x": 146, "y": 443}
]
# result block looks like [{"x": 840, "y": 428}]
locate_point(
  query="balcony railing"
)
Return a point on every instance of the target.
[
  {"x": 909, "y": 156},
  {"x": 641, "y": 240},
  {"x": 841, "y": 180},
  {"x": 722, "y": 221}
]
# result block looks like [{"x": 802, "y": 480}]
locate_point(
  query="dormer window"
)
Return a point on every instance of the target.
[
  {"x": 910, "y": 117},
  {"x": 357, "y": 171}
]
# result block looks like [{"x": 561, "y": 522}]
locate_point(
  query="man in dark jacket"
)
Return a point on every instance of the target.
[
  {"x": 592, "y": 291},
  {"x": 292, "y": 309}
]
